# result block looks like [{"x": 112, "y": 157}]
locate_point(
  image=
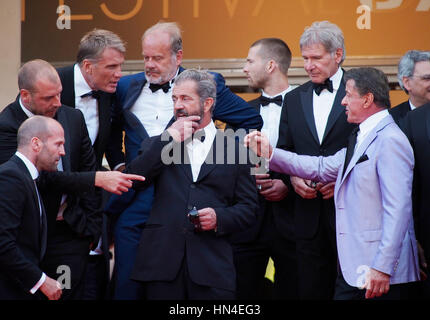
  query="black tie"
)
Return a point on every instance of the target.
[
  {"x": 327, "y": 84},
  {"x": 352, "y": 140},
  {"x": 165, "y": 86},
  {"x": 93, "y": 93},
  {"x": 265, "y": 100}
]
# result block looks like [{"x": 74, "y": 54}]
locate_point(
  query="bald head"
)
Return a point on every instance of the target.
[
  {"x": 37, "y": 126},
  {"x": 34, "y": 70}
]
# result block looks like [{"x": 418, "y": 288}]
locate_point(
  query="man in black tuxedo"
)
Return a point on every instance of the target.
[
  {"x": 414, "y": 78},
  {"x": 73, "y": 222},
  {"x": 273, "y": 236},
  {"x": 89, "y": 85},
  {"x": 22, "y": 216},
  {"x": 417, "y": 129},
  {"x": 178, "y": 258},
  {"x": 314, "y": 123}
]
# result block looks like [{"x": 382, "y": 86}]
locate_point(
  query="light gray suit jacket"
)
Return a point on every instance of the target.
[{"x": 374, "y": 224}]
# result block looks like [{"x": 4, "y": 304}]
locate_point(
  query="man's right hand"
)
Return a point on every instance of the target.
[
  {"x": 183, "y": 128},
  {"x": 302, "y": 188},
  {"x": 115, "y": 181},
  {"x": 51, "y": 289}
]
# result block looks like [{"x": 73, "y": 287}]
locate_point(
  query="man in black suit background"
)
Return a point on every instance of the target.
[
  {"x": 178, "y": 259},
  {"x": 417, "y": 128},
  {"x": 314, "y": 123},
  {"x": 73, "y": 222},
  {"x": 22, "y": 216},
  {"x": 266, "y": 68},
  {"x": 89, "y": 85},
  {"x": 414, "y": 78}
]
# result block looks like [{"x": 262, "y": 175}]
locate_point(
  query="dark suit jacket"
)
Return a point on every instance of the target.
[
  {"x": 399, "y": 112},
  {"x": 22, "y": 232},
  {"x": 102, "y": 143},
  {"x": 281, "y": 211},
  {"x": 417, "y": 128},
  {"x": 82, "y": 213},
  {"x": 297, "y": 133},
  {"x": 168, "y": 237}
]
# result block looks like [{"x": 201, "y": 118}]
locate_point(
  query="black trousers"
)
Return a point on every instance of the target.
[
  {"x": 251, "y": 261},
  {"x": 183, "y": 288},
  {"x": 317, "y": 261},
  {"x": 66, "y": 260}
]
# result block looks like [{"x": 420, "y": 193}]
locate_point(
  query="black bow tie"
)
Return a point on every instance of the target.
[
  {"x": 154, "y": 87},
  {"x": 327, "y": 84},
  {"x": 265, "y": 100},
  {"x": 93, "y": 93}
]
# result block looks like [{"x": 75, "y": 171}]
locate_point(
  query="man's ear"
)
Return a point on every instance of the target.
[
  {"x": 36, "y": 144},
  {"x": 208, "y": 104},
  {"x": 25, "y": 96}
]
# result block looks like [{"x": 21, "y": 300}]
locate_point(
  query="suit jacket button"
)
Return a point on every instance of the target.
[
  {"x": 190, "y": 207},
  {"x": 193, "y": 186}
]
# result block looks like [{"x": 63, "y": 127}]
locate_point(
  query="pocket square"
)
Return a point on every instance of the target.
[{"x": 363, "y": 158}]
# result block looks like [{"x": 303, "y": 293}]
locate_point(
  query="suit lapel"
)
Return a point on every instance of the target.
[
  {"x": 361, "y": 150},
  {"x": 336, "y": 110},
  {"x": 185, "y": 161},
  {"x": 306, "y": 98},
  {"x": 67, "y": 76},
  {"x": 428, "y": 123},
  {"x": 62, "y": 119},
  {"x": 211, "y": 159}
]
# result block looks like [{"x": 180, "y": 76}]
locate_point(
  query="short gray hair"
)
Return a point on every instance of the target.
[
  {"x": 34, "y": 70},
  {"x": 206, "y": 86},
  {"x": 326, "y": 33},
  {"x": 407, "y": 64},
  {"x": 95, "y": 42},
  {"x": 172, "y": 29}
]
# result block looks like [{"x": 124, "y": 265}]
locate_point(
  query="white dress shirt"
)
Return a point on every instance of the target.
[
  {"x": 271, "y": 115},
  {"x": 412, "y": 105},
  {"x": 34, "y": 175},
  {"x": 323, "y": 103},
  {"x": 87, "y": 105},
  {"x": 154, "y": 109},
  {"x": 367, "y": 125},
  {"x": 198, "y": 151}
]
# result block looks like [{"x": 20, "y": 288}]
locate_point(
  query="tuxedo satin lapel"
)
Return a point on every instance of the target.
[
  {"x": 336, "y": 110},
  {"x": 62, "y": 119},
  {"x": 306, "y": 98},
  {"x": 133, "y": 92},
  {"x": 185, "y": 162},
  {"x": 428, "y": 124},
  {"x": 68, "y": 81}
]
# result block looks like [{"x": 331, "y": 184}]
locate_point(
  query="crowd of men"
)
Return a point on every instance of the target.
[{"x": 336, "y": 198}]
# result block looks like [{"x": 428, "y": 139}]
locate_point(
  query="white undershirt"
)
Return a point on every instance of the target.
[
  {"x": 87, "y": 105},
  {"x": 323, "y": 103},
  {"x": 198, "y": 151},
  {"x": 271, "y": 115},
  {"x": 154, "y": 109}
]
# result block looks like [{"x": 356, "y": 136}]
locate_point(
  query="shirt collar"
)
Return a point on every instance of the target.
[
  {"x": 371, "y": 122},
  {"x": 283, "y": 93},
  {"x": 171, "y": 82},
  {"x": 81, "y": 85},
  {"x": 30, "y": 166},
  {"x": 337, "y": 78},
  {"x": 412, "y": 105},
  {"x": 27, "y": 112},
  {"x": 209, "y": 133}
]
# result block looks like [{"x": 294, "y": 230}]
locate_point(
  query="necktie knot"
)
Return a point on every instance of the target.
[
  {"x": 327, "y": 84},
  {"x": 266, "y": 101},
  {"x": 93, "y": 93},
  {"x": 155, "y": 87}
]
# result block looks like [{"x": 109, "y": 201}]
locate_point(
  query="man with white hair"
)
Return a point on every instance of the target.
[
  {"x": 414, "y": 79},
  {"x": 314, "y": 123}
]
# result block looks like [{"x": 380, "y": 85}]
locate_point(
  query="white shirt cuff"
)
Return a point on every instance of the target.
[
  {"x": 38, "y": 284},
  {"x": 118, "y": 165}
]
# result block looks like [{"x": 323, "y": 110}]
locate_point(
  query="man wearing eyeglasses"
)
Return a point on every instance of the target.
[{"x": 414, "y": 79}]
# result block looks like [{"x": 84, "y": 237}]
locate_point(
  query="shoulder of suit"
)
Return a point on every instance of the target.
[{"x": 65, "y": 71}]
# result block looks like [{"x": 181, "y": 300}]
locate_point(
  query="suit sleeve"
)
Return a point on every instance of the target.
[
  {"x": 234, "y": 110},
  {"x": 395, "y": 155},
  {"x": 8, "y": 142},
  {"x": 13, "y": 201},
  {"x": 114, "y": 150}
]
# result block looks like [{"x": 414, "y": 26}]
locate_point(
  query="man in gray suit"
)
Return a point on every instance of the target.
[{"x": 374, "y": 227}]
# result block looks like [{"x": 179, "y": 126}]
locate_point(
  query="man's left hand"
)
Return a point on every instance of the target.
[
  {"x": 276, "y": 192},
  {"x": 207, "y": 217},
  {"x": 377, "y": 283}
]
